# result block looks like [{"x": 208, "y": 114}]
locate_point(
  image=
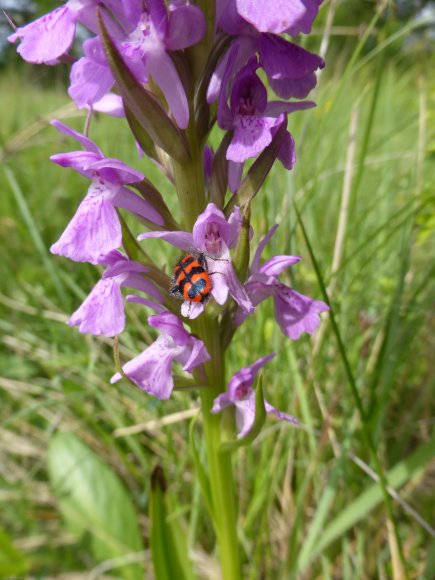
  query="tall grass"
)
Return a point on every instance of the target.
[{"x": 357, "y": 207}]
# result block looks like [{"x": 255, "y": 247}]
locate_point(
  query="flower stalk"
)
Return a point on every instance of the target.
[{"x": 174, "y": 70}]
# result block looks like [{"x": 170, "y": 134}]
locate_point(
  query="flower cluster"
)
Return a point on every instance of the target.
[{"x": 174, "y": 73}]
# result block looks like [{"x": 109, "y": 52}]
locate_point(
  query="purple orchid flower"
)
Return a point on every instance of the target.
[
  {"x": 151, "y": 371},
  {"x": 102, "y": 312},
  {"x": 290, "y": 69},
  {"x": 94, "y": 231},
  {"x": 294, "y": 312},
  {"x": 143, "y": 37},
  {"x": 214, "y": 236},
  {"x": 241, "y": 394},
  {"x": 253, "y": 120},
  {"x": 278, "y": 16}
]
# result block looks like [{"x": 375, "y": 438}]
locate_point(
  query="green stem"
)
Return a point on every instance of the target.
[
  {"x": 220, "y": 467},
  {"x": 189, "y": 181}
]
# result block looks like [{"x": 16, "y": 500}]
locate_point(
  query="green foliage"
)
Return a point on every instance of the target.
[
  {"x": 167, "y": 540},
  {"x": 12, "y": 561},
  {"x": 95, "y": 505}
]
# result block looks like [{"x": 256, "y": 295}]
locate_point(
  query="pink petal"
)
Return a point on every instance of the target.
[
  {"x": 103, "y": 310},
  {"x": 255, "y": 266},
  {"x": 93, "y": 231},
  {"x": 276, "y": 265},
  {"x": 281, "y": 416},
  {"x": 251, "y": 136},
  {"x": 182, "y": 240},
  {"x": 110, "y": 104},
  {"x": 291, "y": 16},
  {"x": 48, "y": 38},
  {"x": 162, "y": 69},
  {"x": 186, "y": 26},
  {"x": 296, "y": 313},
  {"x": 191, "y": 310},
  {"x": 235, "y": 172},
  {"x": 87, "y": 143},
  {"x": 152, "y": 369}
]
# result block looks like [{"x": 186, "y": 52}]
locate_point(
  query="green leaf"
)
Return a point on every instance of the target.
[
  {"x": 257, "y": 172},
  {"x": 241, "y": 253},
  {"x": 142, "y": 105},
  {"x": 154, "y": 197},
  {"x": 139, "y": 133},
  {"x": 135, "y": 252},
  {"x": 260, "y": 417},
  {"x": 219, "y": 172},
  {"x": 94, "y": 502},
  {"x": 12, "y": 561},
  {"x": 168, "y": 540}
]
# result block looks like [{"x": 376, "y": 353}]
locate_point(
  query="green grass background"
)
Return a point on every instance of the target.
[{"x": 310, "y": 505}]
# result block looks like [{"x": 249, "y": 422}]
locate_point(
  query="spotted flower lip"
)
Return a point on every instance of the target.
[
  {"x": 214, "y": 236},
  {"x": 95, "y": 230},
  {"x": 102, "y": 312},
  {"x": 151, "y": 371},
  {"x": 252, "y": 119},
  {"x": 241, "y": 394}
]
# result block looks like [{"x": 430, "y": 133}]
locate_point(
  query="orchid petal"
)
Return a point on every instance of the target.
[
  {"x": 191, "y": 310},
  {"x": 47, "y": 38},
  {"x": 251, "y": 136},
  {"x": 93, "y": 231},
  {"x": 164, "y": 73},
  {"x": 182, "y": 240},
  {"x": 280, "y": 16},
  {"x": 151, "y": 371},
  {"x": 235, "y": 172},
  {"x": 103, "y": 310},
  {"x": 87, "y": 143},
  {"x": 276, "y": 265},
  {"x": 186, "y": 26},
  {"x": 296, "y": 313},
  {"x": 255, "y": 266}
]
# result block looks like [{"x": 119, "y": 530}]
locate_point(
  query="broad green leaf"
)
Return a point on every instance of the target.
[
  {"x": 94, "y": 502},
  {"x": 257, "y": 172},
  {"x": 168, "y": 541},
  {"x": 12, "y": 561},
  {"x": 142, "y": 105},
  {"x": 260, "y": 417}
]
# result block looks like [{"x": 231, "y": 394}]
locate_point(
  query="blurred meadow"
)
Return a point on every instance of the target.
[{"x": 359, "y": 209}]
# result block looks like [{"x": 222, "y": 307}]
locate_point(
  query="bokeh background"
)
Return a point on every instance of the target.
[{"x": 310, "y": 504}]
